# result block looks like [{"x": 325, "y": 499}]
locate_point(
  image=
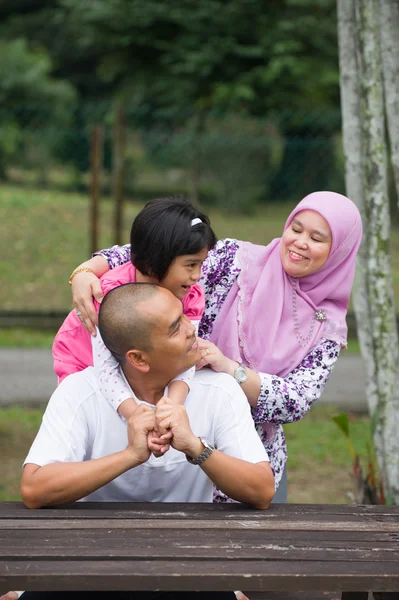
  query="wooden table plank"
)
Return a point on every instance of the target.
[
  {"x": 181, "y": 544},
  {"x": 126, "y": 510},
  {"x": 341, "y": 535},
  {"x": 387, "y": 524},
  {"x": 199, "y": 575}
]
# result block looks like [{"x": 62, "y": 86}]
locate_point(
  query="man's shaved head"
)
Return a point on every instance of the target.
[{"x": 122, "y": 325}]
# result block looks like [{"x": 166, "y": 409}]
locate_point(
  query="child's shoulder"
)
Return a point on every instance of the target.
[
  {"x": 194, "y": 303},
  {"x": 125, "y": 273}
]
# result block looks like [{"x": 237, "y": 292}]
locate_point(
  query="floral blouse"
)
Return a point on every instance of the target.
[{"x": 281, "y": 399}]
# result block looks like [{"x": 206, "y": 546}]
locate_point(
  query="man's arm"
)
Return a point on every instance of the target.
[
  {"x": 251, "y": 483},
  {"x": 60, "y": 483}
]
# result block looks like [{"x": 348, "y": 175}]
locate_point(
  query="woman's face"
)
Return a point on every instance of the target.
[
  {"x": 184, "y": 272},
  {"x": 305, "y": 244}
]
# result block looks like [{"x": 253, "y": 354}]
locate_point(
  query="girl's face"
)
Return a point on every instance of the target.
[
  {"x": 305, "y": 244},
  {"x": 184, "y": 272}
]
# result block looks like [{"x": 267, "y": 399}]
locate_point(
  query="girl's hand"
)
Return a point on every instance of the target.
[
  {"x": 158, "y": 444},
  {"x": 84, "y": 287},
  {"x": 214, "y": 358}
]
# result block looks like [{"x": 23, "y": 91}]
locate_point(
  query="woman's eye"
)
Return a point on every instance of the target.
[
  {"x": 315, "y": 239},
  {"x": 296, "y": 230}
]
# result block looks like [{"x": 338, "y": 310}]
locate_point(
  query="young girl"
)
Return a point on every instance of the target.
[{"x": 170, "y": 239}]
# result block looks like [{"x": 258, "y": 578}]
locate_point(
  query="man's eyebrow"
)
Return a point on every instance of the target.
[
  {"x": 320, "y": 233},
  {"x": 175, "y": 323}
]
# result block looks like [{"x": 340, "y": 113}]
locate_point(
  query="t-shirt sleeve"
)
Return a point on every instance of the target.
[
  {"x": 235, "y": 432},
  {"x": 63, "y": 434},
  {"x": 115, "y": 256}
]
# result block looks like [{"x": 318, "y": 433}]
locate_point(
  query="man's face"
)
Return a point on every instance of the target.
[{"x": 173, "y": 341}]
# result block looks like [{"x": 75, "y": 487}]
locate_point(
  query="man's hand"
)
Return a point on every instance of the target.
[
  {"x": 173, "y": 416},
  {"x": 139, "y": 425}
]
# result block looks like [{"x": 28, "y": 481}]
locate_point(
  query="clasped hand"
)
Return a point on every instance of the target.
[{"x": 154, "y": 430}]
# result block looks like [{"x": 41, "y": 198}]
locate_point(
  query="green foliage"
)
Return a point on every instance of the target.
[
  {"x": 367, "y": 488},
  {"x": 27, "y": 91},
  {"x": 174, "y": 60}
]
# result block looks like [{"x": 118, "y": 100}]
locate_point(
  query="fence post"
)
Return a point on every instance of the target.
[
  {"x": 118, "y": 163},
  {"x": 96, "y": 163}
]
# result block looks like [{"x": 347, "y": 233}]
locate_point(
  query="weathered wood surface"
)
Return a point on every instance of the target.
[{"x": 199, "y": 547}]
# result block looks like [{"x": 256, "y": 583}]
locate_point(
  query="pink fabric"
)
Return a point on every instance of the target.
[
  {"x": 256, "y": 323},
  {"x": 72, "y": 350}
]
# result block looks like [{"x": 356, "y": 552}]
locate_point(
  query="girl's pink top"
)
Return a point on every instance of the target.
[{"x": 72, "y": 350}]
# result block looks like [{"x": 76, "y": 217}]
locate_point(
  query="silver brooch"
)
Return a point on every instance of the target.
[{"x": 320, "y": 316}]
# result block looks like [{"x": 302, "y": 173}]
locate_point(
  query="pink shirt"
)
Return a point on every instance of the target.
[{"x": 72, "y": 350}]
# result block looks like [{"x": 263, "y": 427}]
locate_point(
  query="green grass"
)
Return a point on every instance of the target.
[
  {"x": 318, "y": 463},
  {"x": 26, "y": 338},
  {"x": 18, "y": 427}
]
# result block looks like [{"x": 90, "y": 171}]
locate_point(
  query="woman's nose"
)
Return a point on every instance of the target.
[{"x": 301, "y": 241}]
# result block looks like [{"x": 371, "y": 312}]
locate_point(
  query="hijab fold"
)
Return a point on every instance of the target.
[{"x": 256, "y": 323}]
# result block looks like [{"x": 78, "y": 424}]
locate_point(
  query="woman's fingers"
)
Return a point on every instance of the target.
[{"x": 85, "y": 286}]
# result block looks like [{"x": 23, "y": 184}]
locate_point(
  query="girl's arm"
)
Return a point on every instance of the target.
[
  {"x": 110, "y": 379},
  {"x": 180, "y": 386}
]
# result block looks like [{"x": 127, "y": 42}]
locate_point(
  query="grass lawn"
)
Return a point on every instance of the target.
[
  {"x": 318, "y": 464},
  {"x": 44, "y": 234}
]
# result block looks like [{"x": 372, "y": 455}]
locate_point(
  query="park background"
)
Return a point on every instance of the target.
[{"x": 106, "y": 105}]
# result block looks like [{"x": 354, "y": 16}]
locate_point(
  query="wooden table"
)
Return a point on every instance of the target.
[{"x": 288, "y": 548}]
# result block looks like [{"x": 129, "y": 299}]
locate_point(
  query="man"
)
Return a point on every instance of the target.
[{"x": 85, "y": 451}]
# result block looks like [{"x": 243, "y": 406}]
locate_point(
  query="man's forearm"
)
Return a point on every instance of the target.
[
  {"x": 61, "y": 483},
  {"x": 243, "y": 481}
]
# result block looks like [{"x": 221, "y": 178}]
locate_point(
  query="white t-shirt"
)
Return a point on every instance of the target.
[{"x": 79, "y": 424}]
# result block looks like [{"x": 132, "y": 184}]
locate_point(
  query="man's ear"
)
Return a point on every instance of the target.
[{"x": 138, "y": 360}]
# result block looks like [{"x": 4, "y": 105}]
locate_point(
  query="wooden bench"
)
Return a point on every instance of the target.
[{"x": 303, "y": 549}]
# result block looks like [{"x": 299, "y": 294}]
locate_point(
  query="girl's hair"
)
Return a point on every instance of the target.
[{"x": 163, "y": 230}]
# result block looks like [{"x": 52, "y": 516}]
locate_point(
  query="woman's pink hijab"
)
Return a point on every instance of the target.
[{"x": 256, "y": 323}]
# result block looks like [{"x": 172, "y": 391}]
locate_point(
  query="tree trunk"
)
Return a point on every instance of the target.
[
  {"x": 354, "y": 176},
  {"x": 118, "y": 168},
  {"x": 366, "y": 176},
  {"x": 389, "y": 35}
]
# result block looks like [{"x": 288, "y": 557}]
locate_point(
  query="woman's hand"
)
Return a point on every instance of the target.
[
  {"x": 215, "y": 359},
  {"x": 85, "y": 286}
]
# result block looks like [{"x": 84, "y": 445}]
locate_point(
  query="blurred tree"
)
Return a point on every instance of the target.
[
  {"x": 27, "y": 94},
  {"x": 180, "y": 59},
  {"x": 176, "y": 61}
]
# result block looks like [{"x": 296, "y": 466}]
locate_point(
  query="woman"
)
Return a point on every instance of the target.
[{"x": 274, "y": 315}]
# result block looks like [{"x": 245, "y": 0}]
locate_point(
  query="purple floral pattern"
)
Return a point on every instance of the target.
[{"x": 281, "y": 400}]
